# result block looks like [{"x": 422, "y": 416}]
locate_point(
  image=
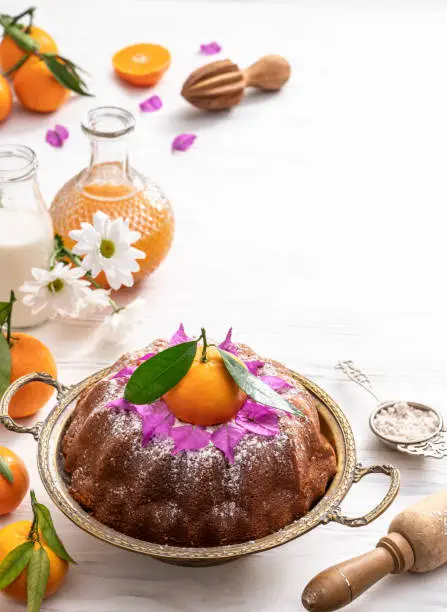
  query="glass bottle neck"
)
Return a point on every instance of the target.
[{"x": 108, "y": 174}]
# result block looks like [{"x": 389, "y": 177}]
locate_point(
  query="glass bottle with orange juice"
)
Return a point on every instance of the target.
[{"x": 111, "y": 185}]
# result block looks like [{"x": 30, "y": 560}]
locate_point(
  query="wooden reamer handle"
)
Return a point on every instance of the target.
[{"x": 340, "y": 584}]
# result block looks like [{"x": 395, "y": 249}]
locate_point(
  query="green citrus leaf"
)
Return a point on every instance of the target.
[
  {"x": 160, "y": 373},
  {"x": 5, "y": 308},
  {"x": 5, "y": 364},
  {"x": 37, "y": 578},
  {"x": 14, "y": 564},
  {"x": 66, "y": 74},
  {"x": 5, "y": 470},
  {"x": 254, "y": 387},
  {"x": 48, "y": 530}
]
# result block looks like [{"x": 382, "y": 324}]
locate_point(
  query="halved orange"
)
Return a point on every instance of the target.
[{"x": 141, "y": 65}]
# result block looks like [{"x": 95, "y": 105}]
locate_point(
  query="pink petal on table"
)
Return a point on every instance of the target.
[
  {"x": 254, "y": 365},
  {"x": 228, "y": 345},
  {"x": 151, "y": 105},
  {"x": 179, "y": 336},
  {"x": 54, "y": 139},
  {"x": 258, "y": 419},
  {"x": 182, "y": 142},
  {"x": 226, "y": 438},
  {"x": 147, "y": 356},
  {"x": 189, "y": 437},
  {"x": 277, "y": 384},
  {"x": 62, "y": 132},
  {"x": 210, "y": 48},
  {"x": 157, "y": 421},
  {"x": 125, "y": 372}
]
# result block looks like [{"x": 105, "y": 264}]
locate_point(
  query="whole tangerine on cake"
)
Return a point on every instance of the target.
[{"x": 207, "y": 395}]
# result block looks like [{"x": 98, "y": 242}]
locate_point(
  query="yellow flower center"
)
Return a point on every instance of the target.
[
  {"x": 56, "y": 285},
  {"x": 107, "y": 248}
]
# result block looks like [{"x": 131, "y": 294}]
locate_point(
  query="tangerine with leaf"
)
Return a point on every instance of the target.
[
  {"x": 14, "y": 481},
  {"x": 22, "y": 354},
  {"x": 33, "y": 560},
  {"x": 207, "y": 395},
  {"x": 11, "y": 53}
]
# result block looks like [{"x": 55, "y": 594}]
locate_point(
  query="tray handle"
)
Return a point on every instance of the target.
[
  {"x": 393, "y": 489},
  {"x": 8, "y": 421}
]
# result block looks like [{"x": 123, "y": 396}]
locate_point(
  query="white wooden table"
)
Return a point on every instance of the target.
[{"x": 313, "y": 221}]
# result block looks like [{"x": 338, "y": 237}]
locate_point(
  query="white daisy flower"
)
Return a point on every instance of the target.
[
  {"x": 119, "y": 325},
  {"x": 96, "y": 299},
  {"x": 62, "y": 288},
  {"x": 106, "y": 245}
]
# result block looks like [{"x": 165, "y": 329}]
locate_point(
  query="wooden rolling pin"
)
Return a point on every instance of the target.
[{"x": 416, "y": 542}]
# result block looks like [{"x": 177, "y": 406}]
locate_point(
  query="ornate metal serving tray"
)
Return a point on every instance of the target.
[{"x": 334, "y": 424}]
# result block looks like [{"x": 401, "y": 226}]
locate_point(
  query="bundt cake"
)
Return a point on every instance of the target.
[{"x": 141, "y": 471}]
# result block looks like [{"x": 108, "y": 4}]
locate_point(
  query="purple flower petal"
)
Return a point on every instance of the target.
[
  {"x": 258, "y": 419},
  {"x": 179, "y": 336},
  {"x": 182, "y": 142},
  {"x": 226, "y": 438},
  {"x": 277, "y": 384},
  {"x": 151, "y": 105},
  {"x": 62, "y": 132},
  {"x": 210, "y": 48},
  {"x": 228, "y": 345},
  {"x": 122, "y": 404},
  {"x": 189, "y": 437},
  {"x": 254, "y": 365},
  {"x": 125, "y": 372},
  {"x": 54, "y": 139},
  {"x": 157, "y": 421},
  {"x": 146, "y": 357}
]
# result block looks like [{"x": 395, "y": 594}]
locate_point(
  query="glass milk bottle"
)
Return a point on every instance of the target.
[{"x": 26, "y": 230}]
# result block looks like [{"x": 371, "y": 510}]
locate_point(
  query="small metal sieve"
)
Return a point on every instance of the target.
[{"x": 434, "y": 445}]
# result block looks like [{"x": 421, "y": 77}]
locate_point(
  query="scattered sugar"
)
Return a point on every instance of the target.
[{"x": 403, "y": 421}]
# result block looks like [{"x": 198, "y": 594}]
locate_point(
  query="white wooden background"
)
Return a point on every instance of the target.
[{"x": 313, "y": 221}]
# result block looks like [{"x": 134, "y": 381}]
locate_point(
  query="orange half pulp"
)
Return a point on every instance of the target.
[{"x": 143, "y": 64}]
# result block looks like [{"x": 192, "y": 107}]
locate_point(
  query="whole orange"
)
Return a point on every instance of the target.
[
  {"x": 5, "y": 98},
  {"x": 207, "y": 395},
  {"x": 38, "y": 90},
  {"x": 10, "y": 52},
  {"x": 29, "y": 354},
  {"x": 12, "y": 494},
  {"x": 12, "y": 536}
]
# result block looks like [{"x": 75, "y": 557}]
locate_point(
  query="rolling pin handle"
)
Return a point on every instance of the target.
[{"x": 340, "y": 584}]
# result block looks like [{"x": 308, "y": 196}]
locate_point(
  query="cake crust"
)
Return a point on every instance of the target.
[{"x": 194, "y": 498}]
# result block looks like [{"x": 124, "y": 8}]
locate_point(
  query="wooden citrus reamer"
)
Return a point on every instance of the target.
[
  {"x": 416, "y": 542},
  {"x": 221, "y": 84}
]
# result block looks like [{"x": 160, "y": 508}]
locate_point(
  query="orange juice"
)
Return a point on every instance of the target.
[{"x": 110, "y": 185}]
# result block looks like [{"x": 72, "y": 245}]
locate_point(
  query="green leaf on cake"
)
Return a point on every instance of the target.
[
  {"x": 37, "y": 578},
  {"x": 5, "y": 364},
  {"x": 5, "y": 470},
  {"x": 14, "y": 564},
  {"x": 48, "y": 530},
  {"x": 156, "y": 376},
  {"x": 254, "y": 387}
]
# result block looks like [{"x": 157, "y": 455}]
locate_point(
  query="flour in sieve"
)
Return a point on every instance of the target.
[{"x": 403, "y": 421}]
